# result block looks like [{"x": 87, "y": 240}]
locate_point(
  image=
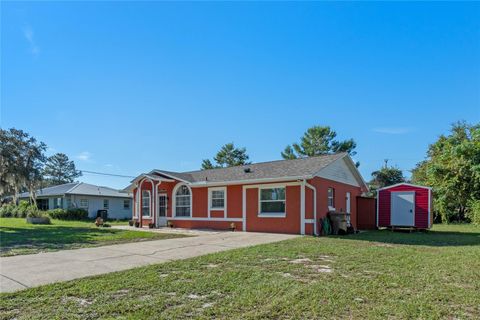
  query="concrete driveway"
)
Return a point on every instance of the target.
[{"x": 25, "y": 271}]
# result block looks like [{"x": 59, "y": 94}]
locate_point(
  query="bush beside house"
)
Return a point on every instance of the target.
[
  {"x": 24, "y": 210},
  {"x": 69, "y": 214}
]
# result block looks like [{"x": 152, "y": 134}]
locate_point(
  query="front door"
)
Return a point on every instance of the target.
[
  {"x": 162, "y": 210},
  {"x": 402, "y": 209}
]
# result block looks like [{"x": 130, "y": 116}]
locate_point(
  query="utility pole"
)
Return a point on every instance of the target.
[{"x": 386, "y": 163}]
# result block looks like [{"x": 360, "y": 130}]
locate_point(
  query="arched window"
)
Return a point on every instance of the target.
[
  {"x": 183, "y": 201},
  {"x": 146, "y": 203}
]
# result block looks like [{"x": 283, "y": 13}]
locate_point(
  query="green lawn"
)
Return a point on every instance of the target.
[
  {"x": 18, "y": 237},
  {"x": 375, "y": 275}
]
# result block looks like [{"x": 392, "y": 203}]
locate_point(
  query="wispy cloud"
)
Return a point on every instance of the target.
[
  {"x": 393, "y": 130},
  {"x": 29, "y": 35},
  {"x": 84, "y": 156}
]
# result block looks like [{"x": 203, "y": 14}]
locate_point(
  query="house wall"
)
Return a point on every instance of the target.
[
  {"x": 115, "y": 210},
  {"x": 421, "y": 205},
  {"x": 290, "y": 223},
  {"x": 341, "y": 190}
]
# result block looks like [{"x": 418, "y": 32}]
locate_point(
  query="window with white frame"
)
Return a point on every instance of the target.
[
  {"x": 146, "y": 203},
  {"x": 105, "y": 204},
  {"x": 272, "y": 200},
  {"x": 126, "y": 204},
  {"x": 217, "y": 198},
  {"x": 83, "y": 203},
  {"x": 331, "y": 198},
  {"x": 183, "y": 200}
]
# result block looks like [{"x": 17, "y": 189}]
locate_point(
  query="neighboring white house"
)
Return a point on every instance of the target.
[{"x": 87, "y": 196}]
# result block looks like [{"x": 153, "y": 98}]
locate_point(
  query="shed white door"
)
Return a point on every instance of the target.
[{"x": 402, "y": 209}]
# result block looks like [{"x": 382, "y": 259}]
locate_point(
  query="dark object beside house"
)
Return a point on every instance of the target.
[
  {"x": 340, "y": 222},
  {"x": 102, "y": 214}
]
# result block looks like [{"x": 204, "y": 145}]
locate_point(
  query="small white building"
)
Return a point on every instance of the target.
[{"x": 87, "y": 196}]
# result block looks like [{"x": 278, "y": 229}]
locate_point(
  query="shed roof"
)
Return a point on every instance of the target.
[{"x": 404, "y": 184}]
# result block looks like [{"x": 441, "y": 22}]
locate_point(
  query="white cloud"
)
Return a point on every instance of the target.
[
  {"x": 393, "y": 130},
  {"x": 29, "y": 35},
  {"x": 84, "y": 156}
]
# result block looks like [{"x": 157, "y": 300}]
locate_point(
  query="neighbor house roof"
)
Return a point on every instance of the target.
[
  {"x": 78, "y": 188},
  {"x": 302, "y": 168}
]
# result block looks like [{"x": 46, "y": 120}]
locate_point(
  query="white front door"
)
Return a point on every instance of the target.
[
  {"x": 162, "y": 210},
  {"x": 402, "y": 209}
]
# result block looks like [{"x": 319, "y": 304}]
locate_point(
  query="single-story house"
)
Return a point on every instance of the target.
[
  {"x": 87, "y": 196},
  {"x": 285, "y": 196}
]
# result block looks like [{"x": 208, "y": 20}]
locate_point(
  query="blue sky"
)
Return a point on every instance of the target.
[{"x": 126, "y": 87}]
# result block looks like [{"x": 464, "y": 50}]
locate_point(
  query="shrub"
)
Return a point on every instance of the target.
[
  {"x": 474, "y": 212},
  {"x": 7, "y": 210},
  {"x": 22, "y": 209},
  {"x": 70, "y": 214},
  {"x": 13, "y": 211}
]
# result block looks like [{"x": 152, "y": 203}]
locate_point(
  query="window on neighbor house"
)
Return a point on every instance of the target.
[
  {"x": 105, "y": 203},
  {"x": 126, "y": 204},
  {"x": 146, "y": 203},
  {"x": 57, "y": 203},
  {"x": 272, "y": 200},
  {"x": 69, "y": 203},
  {"x": 331, "y": 198},
  {"x": 83, "y": 203},
  {"x": 183, "y": 202},
  {"x": 217, "y": 199}
]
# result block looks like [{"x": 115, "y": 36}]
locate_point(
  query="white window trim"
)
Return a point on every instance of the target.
[
  {"x": 330, "y": 208},
  {"x": 80, "y": 204},
  {"x": 271, "y": 214},
  {"x": 129, "y": 204},
  {"x": 174, "y": 200},
  {"x": 210, "y": 208},
  {"x": 108, "y": 204},
  {"x": 149, "y": 204}
]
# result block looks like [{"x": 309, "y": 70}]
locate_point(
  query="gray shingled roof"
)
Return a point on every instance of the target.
[
  {"x": 79, "y": 188},
  {"x": 304, "y": 167}
]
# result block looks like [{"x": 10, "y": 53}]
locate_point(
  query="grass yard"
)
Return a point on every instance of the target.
[
  {"x": 18, "y": 237},
  {"x": 375, "y": 275}
]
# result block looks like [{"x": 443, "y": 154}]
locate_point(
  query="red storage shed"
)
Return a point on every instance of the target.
[{"x": 404, "y": 205}]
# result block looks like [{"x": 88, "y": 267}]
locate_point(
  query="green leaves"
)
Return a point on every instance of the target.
[
  {"x": 318, "y": 140},
  {"x": 59, "y": 170},
  {"x": 228, "y": 156},
  {"x": 453, "y": 170}
]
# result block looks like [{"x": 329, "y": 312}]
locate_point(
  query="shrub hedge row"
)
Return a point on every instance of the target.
[
  {"x": 69, "y": 214},
  {"x": 25, "y": 209}
]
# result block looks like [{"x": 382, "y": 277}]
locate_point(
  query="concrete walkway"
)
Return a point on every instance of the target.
[{"x": 25, "y": 271}]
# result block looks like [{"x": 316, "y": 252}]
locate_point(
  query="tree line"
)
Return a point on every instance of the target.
[{"x": 25, "y": 167}]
